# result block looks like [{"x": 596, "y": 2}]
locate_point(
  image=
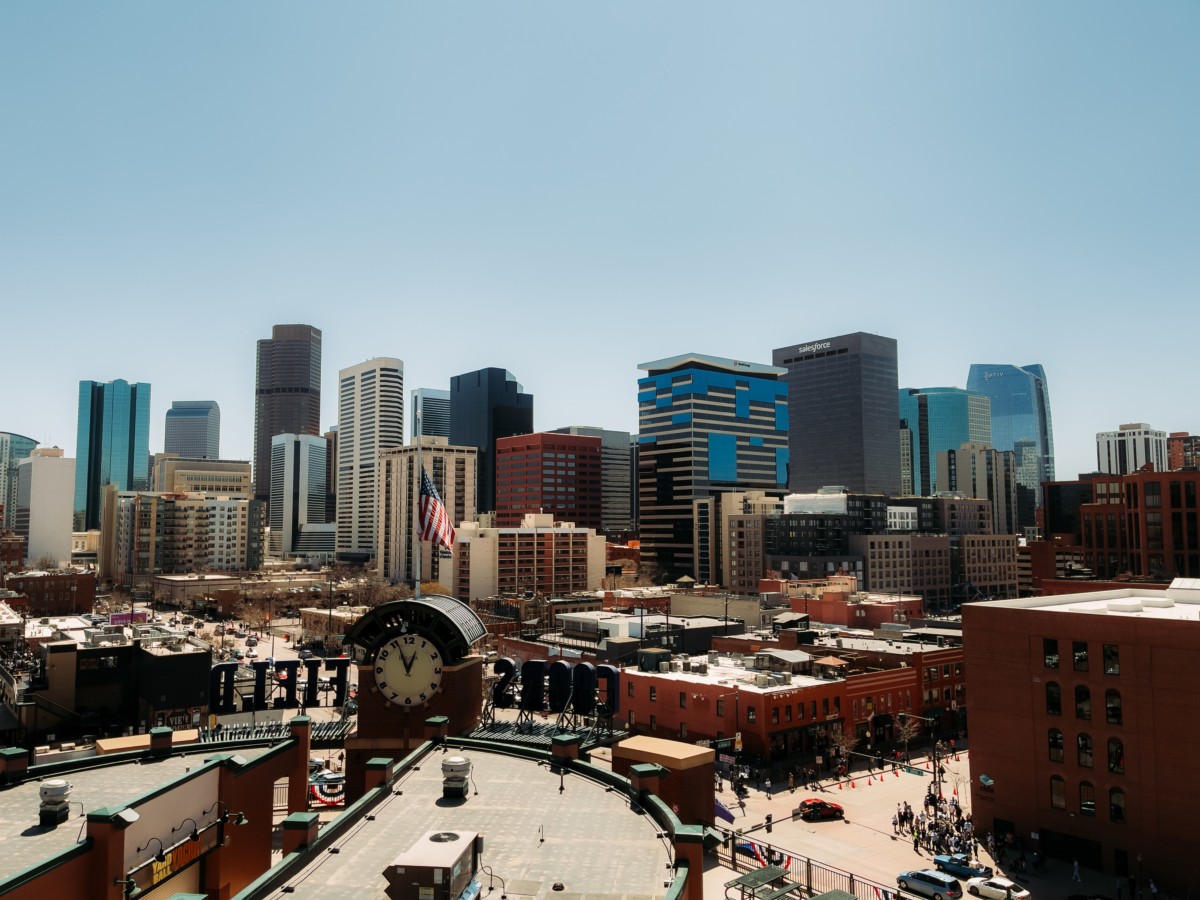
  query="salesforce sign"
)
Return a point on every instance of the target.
[{"x": 812, "y": 348}]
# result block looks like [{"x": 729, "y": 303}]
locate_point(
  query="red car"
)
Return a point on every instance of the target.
[{"x": 815, "y": 808}]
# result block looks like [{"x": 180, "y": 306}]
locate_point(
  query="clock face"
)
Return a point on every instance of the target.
[{"x": 408, "y": 670}]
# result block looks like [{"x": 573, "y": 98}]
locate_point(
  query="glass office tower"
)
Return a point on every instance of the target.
[
  {"x": 430, "y": 413},
  {"x": 13, "y": 449},
  {"x": 193, "y": 429},
  {"x": 845, "y": 414},
  {"x": 706, "y": 425},
  {"x": 112, "y": 444},
  {"x": 1020, "y": 420},
  {"x": 941, "y": 419},
  {"x": 487, "y": 405}
]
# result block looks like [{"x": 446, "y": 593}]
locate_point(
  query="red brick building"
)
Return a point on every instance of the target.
[
  {"x": 1144, "y": 524},
  {"x": 552, "y": 473},
  {"x": 12, "y": 551},
  {"x": 53, "y": 593},
  {"x": 1082, "y": 732}
]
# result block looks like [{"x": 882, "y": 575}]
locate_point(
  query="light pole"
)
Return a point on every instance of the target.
[{"x": 936, "y": 787}]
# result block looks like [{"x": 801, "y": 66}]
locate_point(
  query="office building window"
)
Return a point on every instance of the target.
[
  {"x": 1084, "y": 747},
  {"x": 1058, "y": 792},
  {"x": 1050, "y": 652},
  {"x": 1116, "y": 756},
  {"x": 1112, "y": 659},
  {"x": 1112, "y": 707},
  {"x": 1087, "y": 799},
  {"x": 1056, "y": 745},
  {"x": 1116, "y": 805},
  {"x": 1053, "y": 699},
  {"x": 1079, "y": 650},
  {"x": 1083, "y": 702}
]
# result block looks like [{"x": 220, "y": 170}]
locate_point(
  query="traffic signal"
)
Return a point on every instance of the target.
[{"x": 769, "y": 819}]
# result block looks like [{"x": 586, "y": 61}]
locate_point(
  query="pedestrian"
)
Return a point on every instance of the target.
[
  {"x": 1120, "y": 888},
  {"x": 767, "y": 786},
  {"x": 895, "y": 823},
  {"x": 916, "y": 835},
  {"x": 1075, "y": 876},
  {"x": 1153, "y": 889},
  {"x": 791, "y": 783}
]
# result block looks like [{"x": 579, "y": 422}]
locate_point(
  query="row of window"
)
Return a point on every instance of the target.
[
  {"x": 1087, "y": 799},
  {"x": 751, "y": 712},
  {"x": 1113, "y": 712},
  {"x": 1084, "y": 751},
  {"x": 1080, "y": 657}
]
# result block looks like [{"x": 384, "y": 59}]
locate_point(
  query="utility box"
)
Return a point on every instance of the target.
[
  {"x": 456, "y": 775},
  {"x": 441, "y": 865}
]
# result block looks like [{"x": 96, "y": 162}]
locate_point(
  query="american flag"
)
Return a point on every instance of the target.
[{"x": 435, "y": 521}]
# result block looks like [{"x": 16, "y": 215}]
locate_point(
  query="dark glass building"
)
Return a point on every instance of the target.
[
  {"x": 843, "y": 402},
  {"x": 13, "y": 449},
  {"x": 486, "y": 405},
  {"x": 112, "y": 445},
  {"x": 1020, "y": 420},
  {"x": 287, "y": 393},
  {"x": 706, "y": 425},
  {"x": 193, "y": 429}
]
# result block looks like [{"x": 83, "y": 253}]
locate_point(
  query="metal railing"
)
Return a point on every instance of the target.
[{"x": 813, "y": 876}]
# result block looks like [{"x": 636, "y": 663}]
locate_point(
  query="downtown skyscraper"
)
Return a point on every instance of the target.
[
  {"x": 287, "y": 396},
  {"x": 1020, "y": 422},
  {"x": 932, "y": 421},
  {"x": 706, "y": 425},
  {"x": 112, "y": 445},
  {"x": 193, "y": 429},
  {"x": 843, "y": 404},
  {"x": 370, "y": 419},
  {"x": 487, "y": 405}
]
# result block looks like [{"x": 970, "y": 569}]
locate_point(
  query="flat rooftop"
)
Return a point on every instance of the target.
[
  {"x": 1180, "y": 602},
  {"x": 24, "y": 842},
  {"x": 585, "y": 836}
]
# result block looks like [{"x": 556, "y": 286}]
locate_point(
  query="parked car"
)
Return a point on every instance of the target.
[
  {"x": 960, "y": 865},
  {"x": 304, "y": 654},
  {"x": 251, "y": 653},
  {"x": 815, "y": 808},
  {"x": 930, "y": 883},
  {"x": 997, "y": 888},
  {"x": 251, "y": 642}
]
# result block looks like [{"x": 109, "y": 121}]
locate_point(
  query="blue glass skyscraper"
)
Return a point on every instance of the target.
[
  {"x": 939, "y": 419},
  {"x": 1020, "y": 420},
  {"x": 112, "y": 444},
  {"x": 706, "y": 425}
]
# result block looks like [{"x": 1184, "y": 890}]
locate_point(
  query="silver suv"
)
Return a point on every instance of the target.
[{"x": 930, "y": 883}]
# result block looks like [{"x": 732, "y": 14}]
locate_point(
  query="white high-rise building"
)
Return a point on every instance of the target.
[
  {"x": 370, "y": 420},
  {"x": 1130, "y": 447},
  {"x": 45, "y": 504}
]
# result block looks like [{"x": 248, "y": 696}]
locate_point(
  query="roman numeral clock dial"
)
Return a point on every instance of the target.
[{"x": 408, "y": 670}]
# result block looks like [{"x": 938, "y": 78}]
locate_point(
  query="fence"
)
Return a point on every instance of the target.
[{"x": 743, "y": 854}]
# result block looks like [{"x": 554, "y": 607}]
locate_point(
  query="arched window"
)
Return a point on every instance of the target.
[
  {"x": 1053, "y": 699},
  {"x": 1083, "y": 702},
  {"x": 1116, "y": 756},
  {"x": 1056, "y": 745},
  {"x": 1087, "y": 799},
  {"x": 1083, "y": 744},
  {"x": 1058, "y": 792},
  {"x": 1112, "y": 707},
  {"x": 1116, "y": 805}
]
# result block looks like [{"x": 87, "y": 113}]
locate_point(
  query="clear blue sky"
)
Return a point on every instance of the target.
[{"x": 566, "y": 189}]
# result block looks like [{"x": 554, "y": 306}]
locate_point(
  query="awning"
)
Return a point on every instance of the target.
[{"x": 883, "y": 718}]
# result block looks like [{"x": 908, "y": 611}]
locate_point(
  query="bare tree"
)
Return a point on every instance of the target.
[
  {"x": 45, "y": 562},
  {"x": 845, "y": 742},
  {"x": 435, "y": 587},
  {"x": 907, "y": 729}
]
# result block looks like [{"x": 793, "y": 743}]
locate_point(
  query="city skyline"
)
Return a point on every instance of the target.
[{"x": 569, "y": 192}]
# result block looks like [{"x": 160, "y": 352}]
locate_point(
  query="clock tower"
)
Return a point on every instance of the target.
[{"x": 415, "y": 661}]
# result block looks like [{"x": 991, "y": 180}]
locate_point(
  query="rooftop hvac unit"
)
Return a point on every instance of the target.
[
  {"x": 687, "y": 665},
  {"x": 787, "y": 677},
  {"x": 762, "y": 679},
  {"x": 702, "y": 668},
  {"x": 664, "y": 667},
  {"x": 713, "y": 657},
  {"x": 676, "y": 666}
]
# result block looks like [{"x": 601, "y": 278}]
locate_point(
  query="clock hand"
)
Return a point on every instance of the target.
[{"x": 408, "y": 661}]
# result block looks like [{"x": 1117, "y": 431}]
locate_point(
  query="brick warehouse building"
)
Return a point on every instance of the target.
[
  {"x": 552, "y": 473},
  {"x": 1082, "y": 727}
]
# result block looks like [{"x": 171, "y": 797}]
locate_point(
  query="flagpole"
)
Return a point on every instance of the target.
[{"x": 415, "y": 519}]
